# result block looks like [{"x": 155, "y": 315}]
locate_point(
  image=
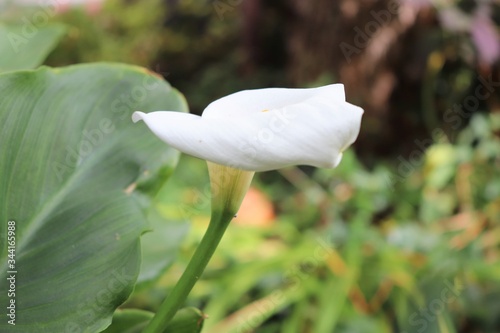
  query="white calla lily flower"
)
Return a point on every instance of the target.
[
  {"x": 260, "y": 130},
  {"x": 264, "y": 129}
]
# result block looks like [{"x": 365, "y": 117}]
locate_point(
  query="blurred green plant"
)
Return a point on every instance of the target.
[
  {"x": 187, "y": 320},
  {"x": 177, "y": 39},
  {"x": 128, "y": 33}
]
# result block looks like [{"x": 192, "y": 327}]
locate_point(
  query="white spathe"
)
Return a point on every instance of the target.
[{"x": 264, "y": 129}]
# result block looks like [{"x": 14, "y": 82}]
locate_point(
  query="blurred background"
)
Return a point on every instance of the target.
[{"x": 404, "y": 236}]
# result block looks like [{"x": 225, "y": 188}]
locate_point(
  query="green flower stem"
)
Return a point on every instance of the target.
[
  {"x": 228, "y": 187},
  {"x": 215, "y": 231}
]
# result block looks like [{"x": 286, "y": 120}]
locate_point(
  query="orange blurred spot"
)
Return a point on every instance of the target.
[
  {"x": 469, "y": 226},
  {"x": 256, "y": 210}
]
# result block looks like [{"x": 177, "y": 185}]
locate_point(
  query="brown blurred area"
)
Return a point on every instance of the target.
[{"x": 393, "y": 57}]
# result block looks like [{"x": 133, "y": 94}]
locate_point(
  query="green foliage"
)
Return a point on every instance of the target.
[{"x": 70, "y": 161}]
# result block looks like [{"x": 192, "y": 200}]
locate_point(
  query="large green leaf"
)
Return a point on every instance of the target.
[
  {"x": 25, "y": 46},
  {"x": 69, "y": 159}
]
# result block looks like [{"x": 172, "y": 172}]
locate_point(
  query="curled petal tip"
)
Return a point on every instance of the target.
[{"x": 137, "y": 115}]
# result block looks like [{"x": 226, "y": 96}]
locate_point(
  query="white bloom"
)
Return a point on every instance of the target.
[{"x": 264, "y": 129}]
